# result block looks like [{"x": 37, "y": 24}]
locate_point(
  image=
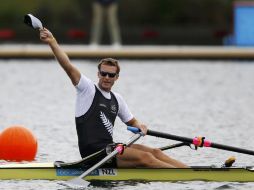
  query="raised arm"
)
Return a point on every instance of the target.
[{"x": 73, "y": 73}]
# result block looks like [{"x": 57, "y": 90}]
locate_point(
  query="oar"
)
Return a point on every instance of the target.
[
  {"x": 80, "y": 182},
  {"x": 196, "y": 141},
  {"x": 174, "y": 146}
]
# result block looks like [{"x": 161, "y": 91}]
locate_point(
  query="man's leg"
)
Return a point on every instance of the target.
[
  {"x": 113, "y": 26},
  {"x": 157, "y": 153},
  {"x": 97, "y": 23},
  {"x": 133, "y": 157}
]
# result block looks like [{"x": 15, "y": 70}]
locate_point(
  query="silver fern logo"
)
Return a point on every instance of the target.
[{"x": 108, "y": 125}]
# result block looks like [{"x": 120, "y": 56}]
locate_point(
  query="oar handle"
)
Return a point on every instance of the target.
[{"x": 133, "y": 129}]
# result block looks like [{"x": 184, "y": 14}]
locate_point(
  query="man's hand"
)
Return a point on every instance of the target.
[
  {"x": 143, "y": 128},
  {"x": 46, "y": 36},
  {"x": 135, "y": 123}
]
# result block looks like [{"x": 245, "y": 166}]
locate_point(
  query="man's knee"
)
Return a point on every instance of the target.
[
  {"x": 146, "y": 159},
  {"x": 156, "y": 152}
]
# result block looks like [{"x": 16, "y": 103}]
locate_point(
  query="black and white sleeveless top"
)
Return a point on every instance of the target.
[{"x": 96, "y": 111}]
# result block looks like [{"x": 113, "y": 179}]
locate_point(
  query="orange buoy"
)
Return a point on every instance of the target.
[{"x": 17, "y": 143}]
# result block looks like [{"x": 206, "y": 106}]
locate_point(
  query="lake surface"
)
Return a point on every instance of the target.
[{"x": 189, "y": 98}]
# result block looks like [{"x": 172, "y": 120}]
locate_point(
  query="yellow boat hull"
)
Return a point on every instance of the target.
[{"x": 47, "y": 171}]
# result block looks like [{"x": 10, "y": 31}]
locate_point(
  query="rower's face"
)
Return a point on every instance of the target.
[{"x": 107, "y": 77}]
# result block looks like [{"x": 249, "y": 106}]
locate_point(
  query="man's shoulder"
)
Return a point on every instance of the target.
[
  {"x": 87, "y": 80},
  {"x": 84, "y": 83}
]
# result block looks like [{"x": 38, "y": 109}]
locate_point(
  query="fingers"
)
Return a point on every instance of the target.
[
  {"x": 45, "y": 34},
  {"x": 143, "y": 128},
  {"x": 43, "y": 30}
]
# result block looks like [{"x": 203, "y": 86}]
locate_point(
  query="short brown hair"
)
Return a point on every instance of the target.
[{"x": 110, "y": 62}]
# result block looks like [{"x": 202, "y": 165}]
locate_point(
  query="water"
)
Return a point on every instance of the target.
[{"x": 188, "y": 98}]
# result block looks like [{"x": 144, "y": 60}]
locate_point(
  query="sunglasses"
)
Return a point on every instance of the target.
[{"x": 110, "y": 75}]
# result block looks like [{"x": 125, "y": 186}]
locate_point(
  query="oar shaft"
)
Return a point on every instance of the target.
[
  {"x": 169, "y": 136},
  {"x": 231, "y": 148},
  {"x": 192, "y": 141},
  {"x": 174, "y": 146},
  {"x": 111, "y": 155}
]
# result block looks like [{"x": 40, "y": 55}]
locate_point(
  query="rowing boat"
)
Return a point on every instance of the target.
[
  {"x": 49, "y": 171},
  {"x": 69, "y": 171}
]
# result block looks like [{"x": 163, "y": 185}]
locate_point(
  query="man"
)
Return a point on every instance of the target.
[{"x": 96, "y": 110}]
